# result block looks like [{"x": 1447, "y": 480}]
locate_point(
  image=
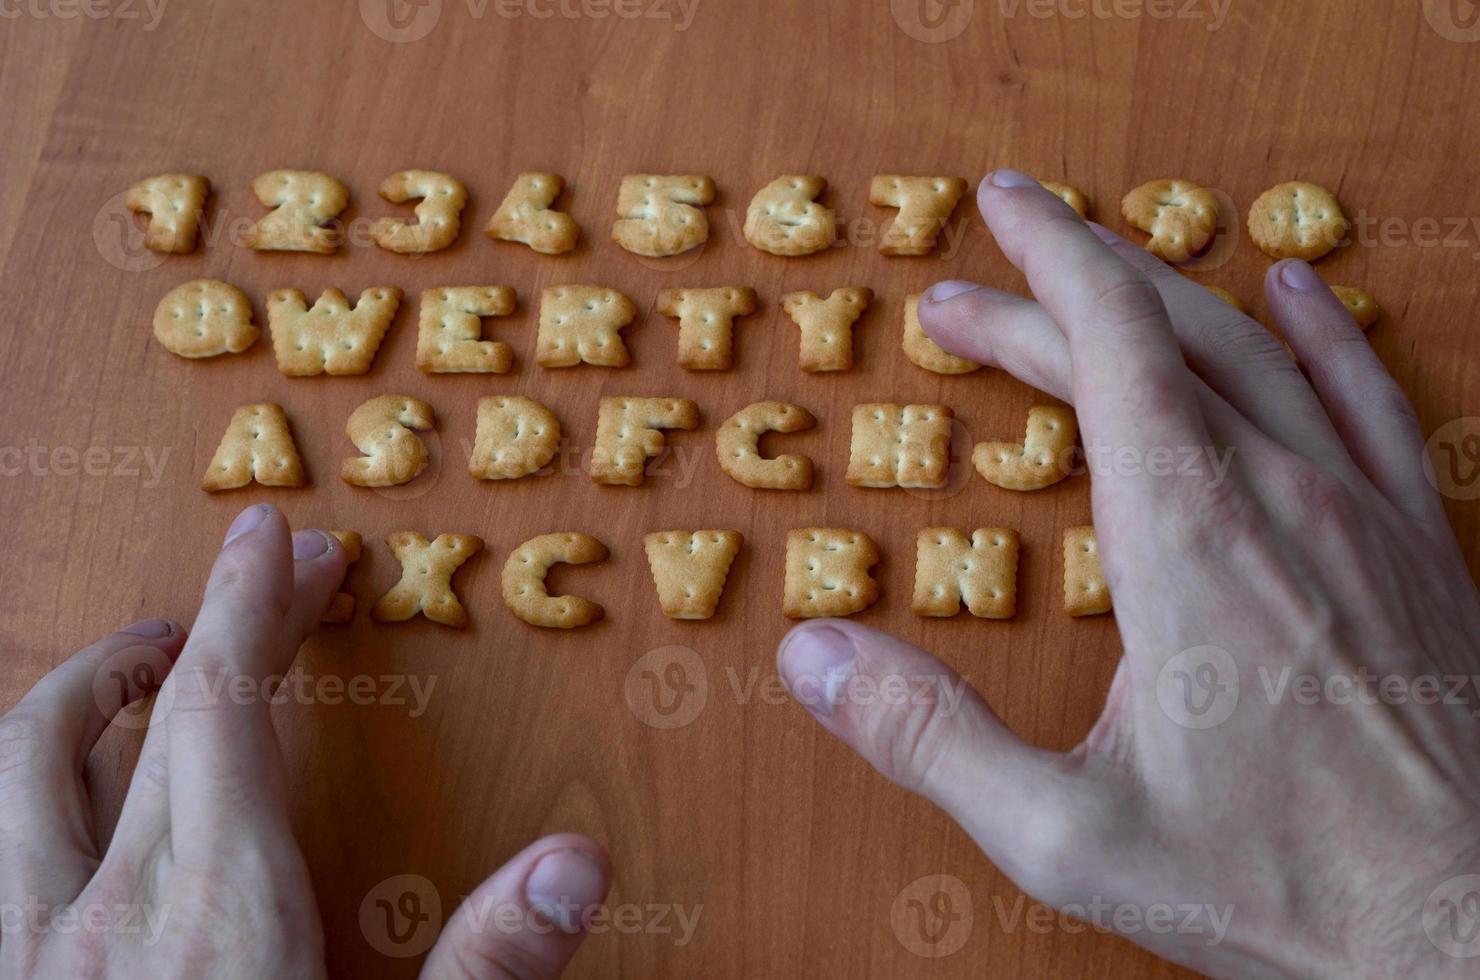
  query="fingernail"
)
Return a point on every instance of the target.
[
  {"x": 817, "y": 663},
  {"x": 949, "y": 289},
  {"x": 309, "y": 544},
  {"x": 1103, "y": 234},
  {"x": 563, "y": 885},
  {"x": 153, "y": 628},
  {"x": 1300, "y": 276},
  {"x": 1012, "y": 178},
  {"x": 246, "y": 521}
]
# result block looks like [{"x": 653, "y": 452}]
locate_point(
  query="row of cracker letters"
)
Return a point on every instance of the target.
[
  {"x": 904, "y": 446},
  {"x": 827, "y": 573},
  {"x": 578, "y": 324}
]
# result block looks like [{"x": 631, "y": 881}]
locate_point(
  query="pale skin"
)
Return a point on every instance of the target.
[{"x": 1324, "y": 827}]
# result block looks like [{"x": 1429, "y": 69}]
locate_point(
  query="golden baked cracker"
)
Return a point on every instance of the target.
[
  {"x": 524, "y": 580},
  {"x": 441, "y": 198},
  {"x": 738, "y": 447},
  {"x": 1364, "y": 308},
  {"x": 706, "y": 319},
  {"x": 332, "y": 337},
  {"x": 982, "y": 570},
  {"x": 526, "y": 216},
  {"x": 630, "y": 430},
  {"x": 924, "y": 352},
  {"x": 174, "y": 204},
  {"x": 304, "y": 201},
  {"x": 1042, "y": 459},
  {"x": 784, "y": 217},
  {"x": 426, "y": 578},
  {"x": 1228, "y": 298},
  {"x": 924, "y": 203},
  {"x": 1070, "y": 195},
  {"x": 384, "y": 430},
  {"x": 257, "y": 445},
  {"x": 449, "y": 335},
  {"x": 516, "y": 436},
  {"x": 827, "y": 573},
  {"x": 827, "y": 325},
  {"x": 1297, "y": 220},
  {"x": 205, "y": 318},
  {"x": 660, "y": 215},
  {"x": 342, "y": 606},
  {"x": 690, "y": 568},
  {"x": 1085, "y": 591},
  {"x": 1180, "y": 217},
  {"x": 582, "y": 324},
  {"x": 900, "y": 446}
]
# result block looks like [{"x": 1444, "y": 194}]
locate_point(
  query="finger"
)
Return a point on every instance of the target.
[
  {"x": 1369, "y": 410},
  {"x": 48, "y": 846},
  {"x": 1131, "y": 385},
  {"x": 528, "y": 919},
  {"x": 917, "y": 722},
  {"x": 225, "y": 770},
  {"x": 1243, "y": 362}
]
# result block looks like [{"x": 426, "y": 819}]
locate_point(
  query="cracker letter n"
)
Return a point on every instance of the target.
[
  {"x": 1085, "y": 590},
  {"x": 1040, "y": 460},
  {"x": 706, "y": 319},
  {"x": 205, "y": 318},
  {"x": 524, "y": 580},
  {"x": 900, "y": 446},
  {"x": 924, "y": 203},
  {"x": 384, "y": 429},
  {"x": 662, "y": 215},
  {"x": 690, "y": 568},
  {"x": 426, "y": 578},
  {"x": 582, "y": 324},
  {"x": 738, "y": 447},
  {"x": 332, "y": 337},
  {"x": 438, "y": 215},
  {"x": 257, "y": 446},
  {"x": 981, "y": 570},
  {"x": 174, "y": 204},
  {"x": 526, "y": 216},
  {"x": 784, "y": 217},
  {"x": 630, "y": 430},
  {"x": 516, "y": 436},
  {"x": 827, "y": 573},
  {"x": 827, "y": 325},
  {"x": 304, "y": 201},
  {"x": 449, "y": 336}
]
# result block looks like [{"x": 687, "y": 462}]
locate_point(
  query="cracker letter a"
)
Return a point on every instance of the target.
[{"x": 257, "y": 446}]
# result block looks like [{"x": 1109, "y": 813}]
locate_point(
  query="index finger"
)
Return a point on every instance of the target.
[{"x": 1131, "y": 383}]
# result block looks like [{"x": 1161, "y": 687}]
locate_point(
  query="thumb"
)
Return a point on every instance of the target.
[
  {"x": 924, "y": 728},
  {"x": 528, "y": 919}
]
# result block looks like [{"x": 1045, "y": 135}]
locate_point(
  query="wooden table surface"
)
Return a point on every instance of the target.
[{"x": 789, "y": 849}]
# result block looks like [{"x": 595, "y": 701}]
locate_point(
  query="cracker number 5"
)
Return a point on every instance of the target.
[{"x": 659, "y": 216}]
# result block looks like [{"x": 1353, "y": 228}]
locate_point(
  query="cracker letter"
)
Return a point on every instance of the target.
[
  {"x": 1040, "y": 460},
  {"x": 582, "y": 324},
  {"x": 304, "y": 201},
  {"x": 630, "y": 430},
  {"x": 1297, "y": 220},
  {"x": 924, "y": 203},
  {"x": 738, "y": 447},
  {"x": 662, "y": 215},
  {"x": 982, "y": 570},
  {"x": 900, "y": 446},
  {"x": 174, "y": 204},
  {"x": 332, "y": 337},
  {"x": 784, "y": 217},
  {"x": 257, "y": 446},
  {"x": 690, "y": 568},
  {"x": 524, "y": 580},
  {"x": 1085, "y": 591},
  {"x": 924, "y": 352},
  {"x": 342, "y": 606},
  {"x": 448, "y": 338},
  {"x": 706, "y": 319},
  {"x": 205, "y": 318},
  {"x": 1180, "y": 217},
  {"x": 1364, "y": 308},
  {"x": 516, "y": 436},
  {"x": 426, "y": 578},
  {"x": 827, "y": 573},
  {"x": 827, "y": 325},
  {"x": 527, "y": 217}
]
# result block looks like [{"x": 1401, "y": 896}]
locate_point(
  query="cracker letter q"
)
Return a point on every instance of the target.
[{"x": 205, "y": 318}]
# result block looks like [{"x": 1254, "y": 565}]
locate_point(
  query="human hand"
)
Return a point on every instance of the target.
[
  {"x": 1331, "y": 829},
  {"x": 202, "y": 876}
]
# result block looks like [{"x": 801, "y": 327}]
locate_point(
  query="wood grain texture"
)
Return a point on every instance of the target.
[{"x": 794, "y": 849}]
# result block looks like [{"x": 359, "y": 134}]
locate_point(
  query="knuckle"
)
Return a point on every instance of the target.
[
  {"x": 498, "y": 958},
  {"x": 1321, "y": 499},
  {"x": 1126, "y": 298},
  {"x": 1213, "y": 518}
]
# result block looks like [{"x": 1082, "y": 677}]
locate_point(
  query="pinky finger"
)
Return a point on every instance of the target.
[{"x": 1370, "y": 411}]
